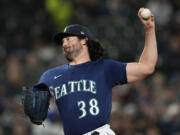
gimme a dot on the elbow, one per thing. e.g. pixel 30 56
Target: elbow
pixel 150 70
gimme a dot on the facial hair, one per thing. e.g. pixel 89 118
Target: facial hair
pixel 71 54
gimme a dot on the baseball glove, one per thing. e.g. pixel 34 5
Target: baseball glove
pixel 36 103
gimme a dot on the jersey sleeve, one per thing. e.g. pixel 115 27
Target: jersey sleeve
pixel 42 82
pixel 43 78
pixel 115 72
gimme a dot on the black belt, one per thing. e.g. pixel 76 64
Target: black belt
pixel 95 133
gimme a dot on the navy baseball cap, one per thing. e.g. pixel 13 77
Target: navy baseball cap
pixel 72 30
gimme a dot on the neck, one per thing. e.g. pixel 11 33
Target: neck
pixel 81 58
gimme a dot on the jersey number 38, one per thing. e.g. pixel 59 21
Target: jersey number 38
pixel 93 108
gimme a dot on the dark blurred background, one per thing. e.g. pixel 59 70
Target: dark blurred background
pixel 149 107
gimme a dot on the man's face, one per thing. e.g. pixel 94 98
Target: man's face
pixel 71 47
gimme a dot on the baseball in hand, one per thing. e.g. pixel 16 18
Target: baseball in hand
pixel 146 13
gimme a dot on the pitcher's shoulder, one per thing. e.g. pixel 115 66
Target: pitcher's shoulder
pixel 61 68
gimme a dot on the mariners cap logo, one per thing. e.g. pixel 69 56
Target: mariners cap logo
pixel 82 32
pixel 65 29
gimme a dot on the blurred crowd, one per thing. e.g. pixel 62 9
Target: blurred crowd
pixel 149 107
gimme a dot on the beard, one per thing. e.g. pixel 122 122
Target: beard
pixel 69 57
pixel 71 53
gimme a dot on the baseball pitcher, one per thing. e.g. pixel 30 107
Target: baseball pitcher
pixel 82 88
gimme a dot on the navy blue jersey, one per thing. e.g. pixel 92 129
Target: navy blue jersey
pixel 83 93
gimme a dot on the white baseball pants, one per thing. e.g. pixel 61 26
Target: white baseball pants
pixel 104 130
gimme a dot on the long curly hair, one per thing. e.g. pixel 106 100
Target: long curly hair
pixel 96 50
